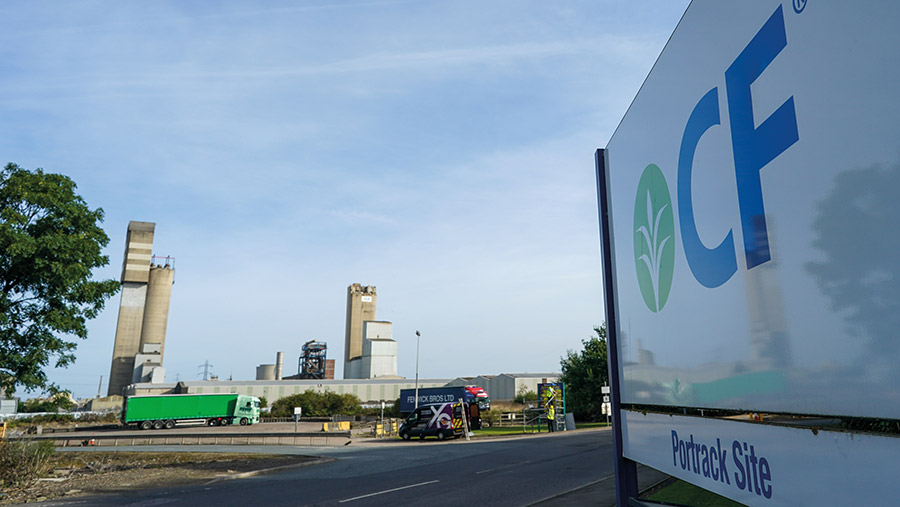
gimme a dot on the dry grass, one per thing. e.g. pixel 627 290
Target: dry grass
pixel 21 463
pixel 90 472
pixel 506 406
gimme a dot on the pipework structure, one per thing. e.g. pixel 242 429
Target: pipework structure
pixel 144 305
pixel 312 362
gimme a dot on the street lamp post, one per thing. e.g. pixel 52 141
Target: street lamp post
pixel 417 367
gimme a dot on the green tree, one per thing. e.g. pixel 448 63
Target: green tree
pixel 525 395
pixel 584 374
pixel 50 241
pixel 394 410
pixel 55 403
pixel 317 404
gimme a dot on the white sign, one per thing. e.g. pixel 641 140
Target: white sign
pixel 754 193
pixel 298 410
pixel 604 389
pixel 758 464
pixel 605 399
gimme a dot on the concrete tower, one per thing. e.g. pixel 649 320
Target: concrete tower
pixel 361 301
pixel 144 307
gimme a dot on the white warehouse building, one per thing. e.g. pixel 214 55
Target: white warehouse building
pixel 506 386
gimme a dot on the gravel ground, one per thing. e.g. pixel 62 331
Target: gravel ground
pixel 84 473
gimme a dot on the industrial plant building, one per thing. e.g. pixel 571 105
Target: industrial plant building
pixel 367 390
pixel 504 386
pixel 370 350
pixel 143 312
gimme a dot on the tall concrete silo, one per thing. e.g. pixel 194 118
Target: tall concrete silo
pixel 144 304
pixel 279 365
pixel 361 301
pixel 156 308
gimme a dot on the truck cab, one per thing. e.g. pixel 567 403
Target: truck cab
pixel 479 396
pixel 246 410
pixel 443 420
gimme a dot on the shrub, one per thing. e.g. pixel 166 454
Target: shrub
pixel 22 463
pixel 491 418
pixel 41 419
pixel 109 417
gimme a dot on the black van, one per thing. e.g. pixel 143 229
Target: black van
pixel 442 420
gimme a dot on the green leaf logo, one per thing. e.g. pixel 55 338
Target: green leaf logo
pixel 654 233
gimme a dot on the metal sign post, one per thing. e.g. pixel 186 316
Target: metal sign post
pixel 297 412
pixel 605 391
pixel 465 418
pixel 626 470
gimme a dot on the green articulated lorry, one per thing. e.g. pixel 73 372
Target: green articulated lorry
pixel 167 410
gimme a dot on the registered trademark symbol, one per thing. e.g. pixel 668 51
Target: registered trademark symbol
pixel 799 5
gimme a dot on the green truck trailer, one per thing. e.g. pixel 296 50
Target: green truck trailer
pixel 167 410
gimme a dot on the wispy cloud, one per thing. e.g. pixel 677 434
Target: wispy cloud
pixel 357 216
pixel 440 148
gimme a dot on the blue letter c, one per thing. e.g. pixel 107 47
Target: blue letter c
pixel 711 267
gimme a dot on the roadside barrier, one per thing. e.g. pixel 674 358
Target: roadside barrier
pixel 112 440
pixel 336 426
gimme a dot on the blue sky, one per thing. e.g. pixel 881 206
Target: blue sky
pixel 442 151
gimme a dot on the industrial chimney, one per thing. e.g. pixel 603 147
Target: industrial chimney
pixel 279 362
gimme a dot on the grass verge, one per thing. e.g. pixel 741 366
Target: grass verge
pixel 678 492
pixel 498 431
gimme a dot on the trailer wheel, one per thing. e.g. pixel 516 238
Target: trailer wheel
pixel 146 425
pixel 170 424
pixel 405 435
pixel 211 422
pixel 441 436
pixel 158 425
pixel 226 421
pixel 244 421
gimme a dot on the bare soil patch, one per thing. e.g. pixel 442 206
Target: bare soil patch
pixel 86 473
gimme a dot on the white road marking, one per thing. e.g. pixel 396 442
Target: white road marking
pixel 501 468
pixel 388 491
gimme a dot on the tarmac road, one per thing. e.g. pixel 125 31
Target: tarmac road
pixel 573 468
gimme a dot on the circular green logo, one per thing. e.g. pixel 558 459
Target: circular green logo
pixel 654 238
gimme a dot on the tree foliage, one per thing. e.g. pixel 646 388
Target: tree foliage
pixel 55 403
pixel 585 373
pixel 317 404
pixel 50 241
pixel 525 395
